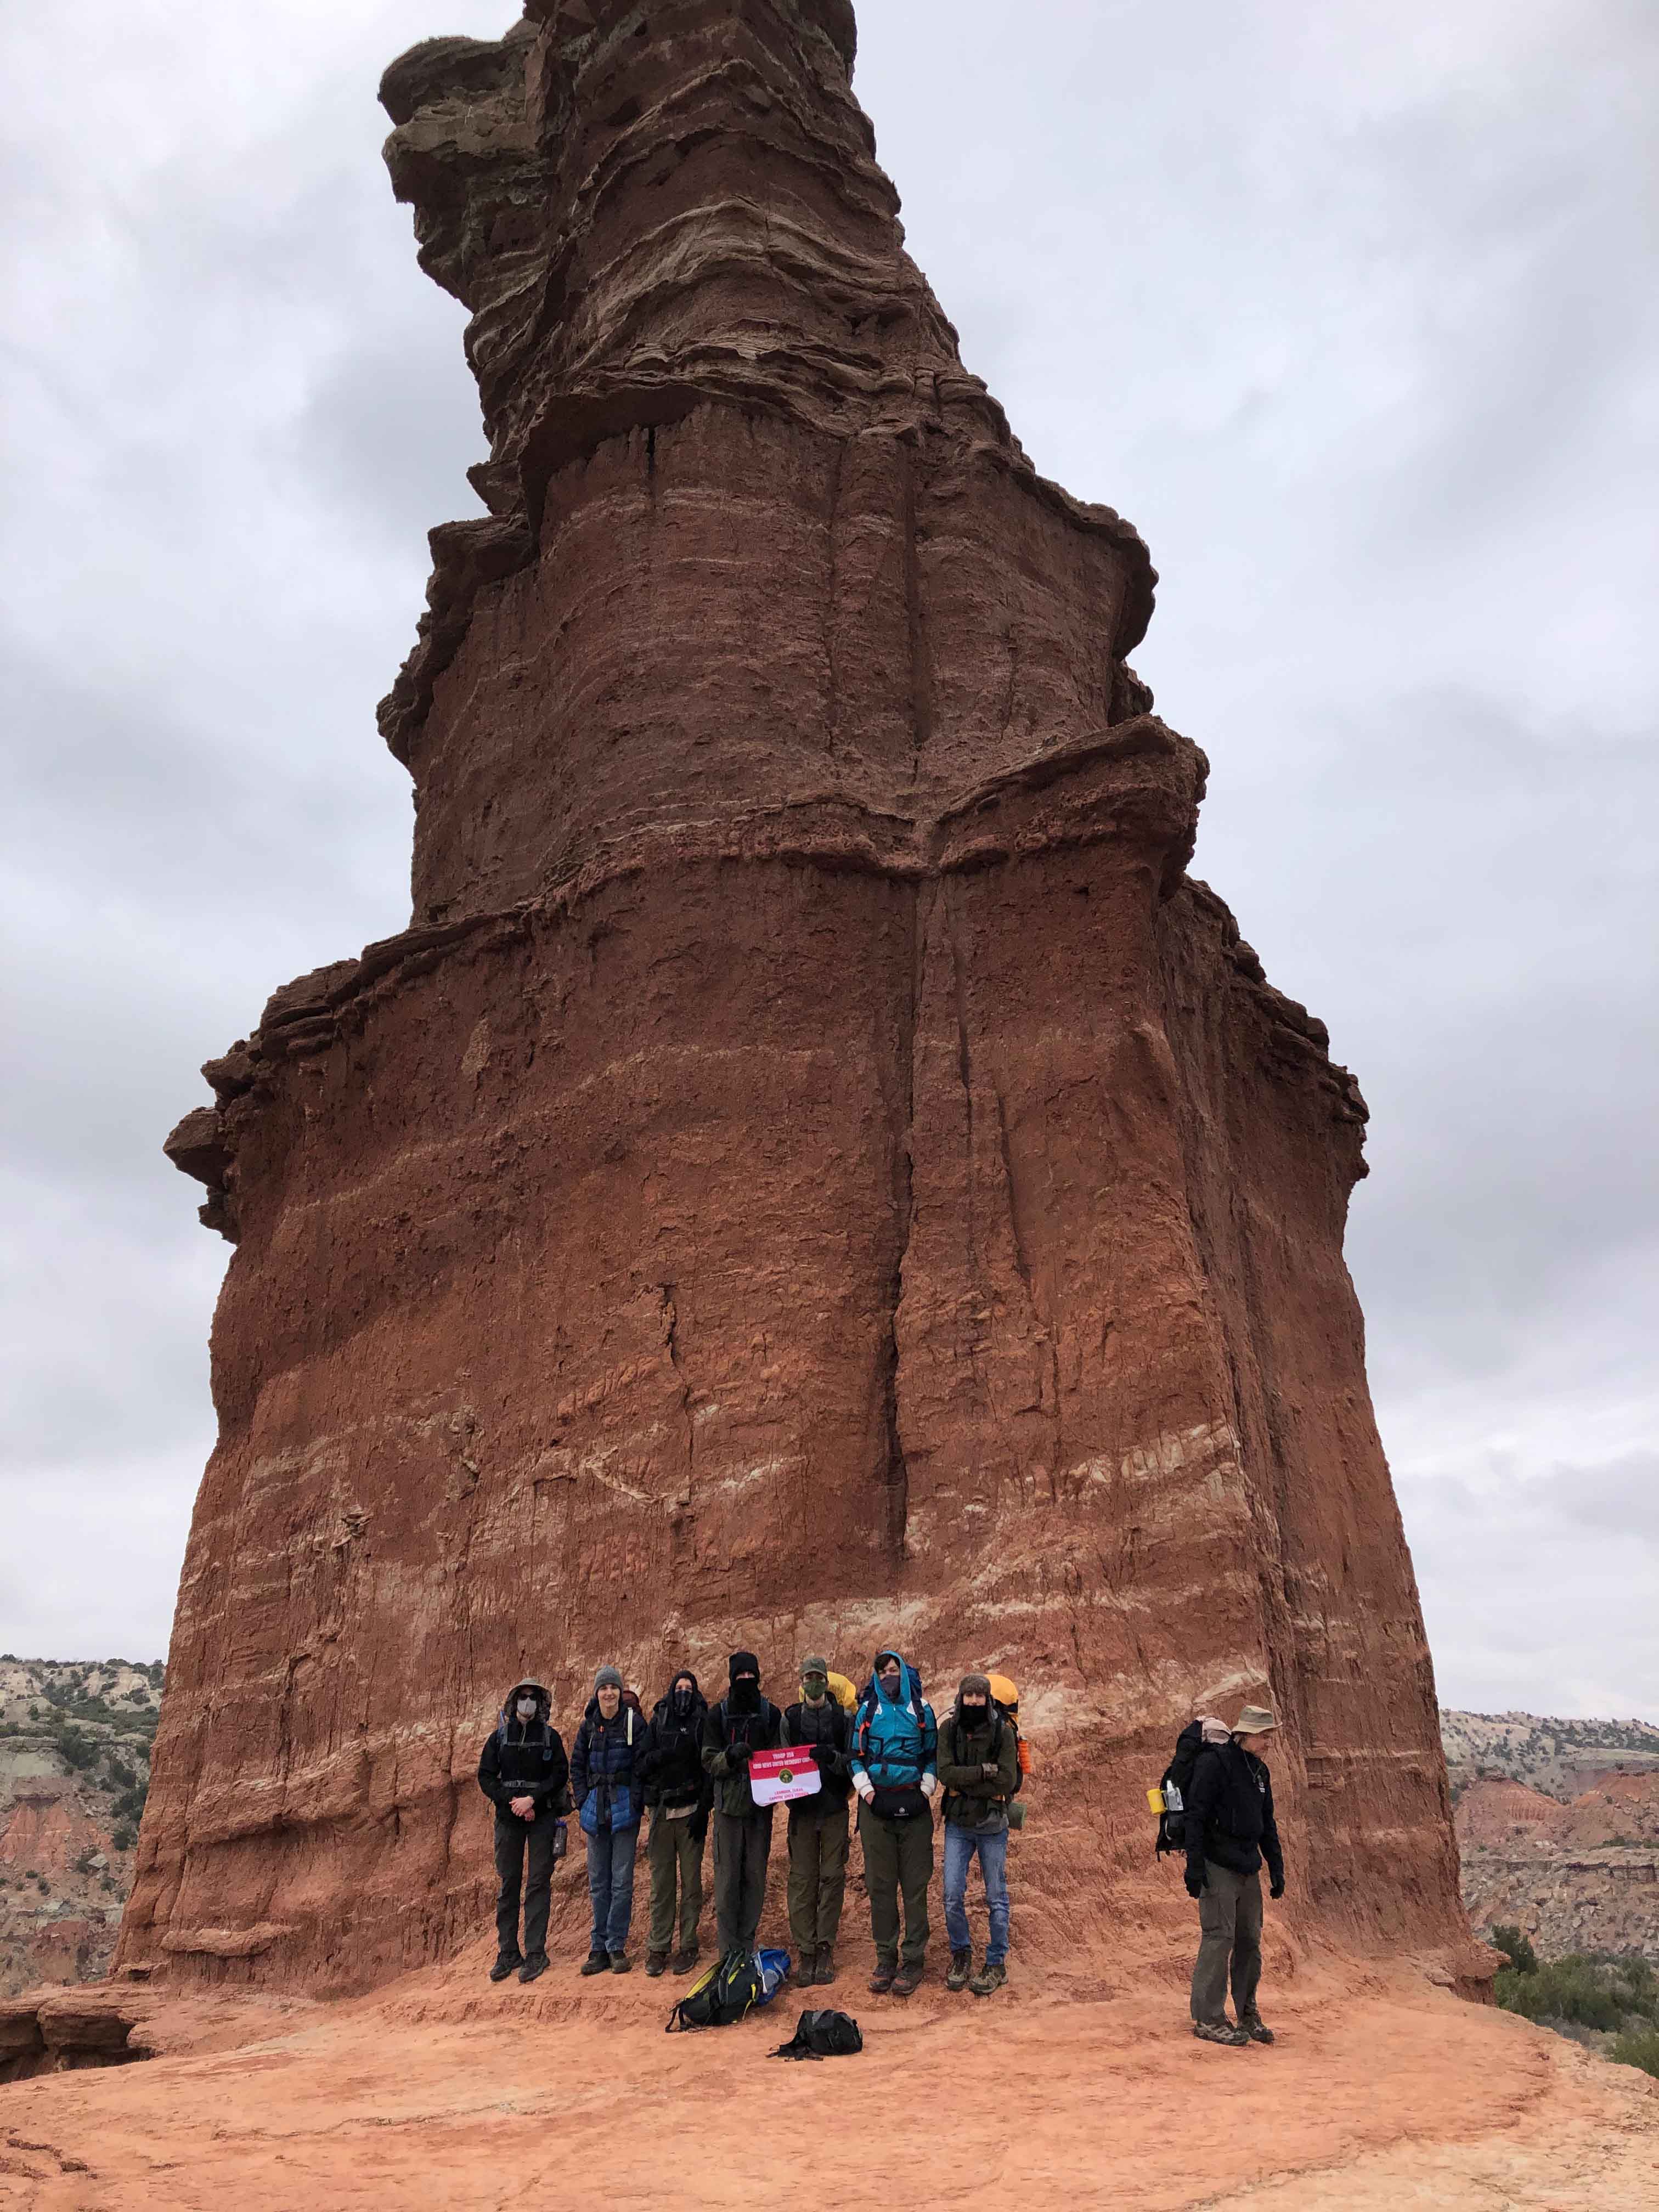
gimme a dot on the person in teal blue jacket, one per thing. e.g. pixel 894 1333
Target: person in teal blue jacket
pixel 894 1763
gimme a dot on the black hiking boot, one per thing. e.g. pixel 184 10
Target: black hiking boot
pixel 504 1966
pixel 990 1979
pixel 685 1959
pixel 824 1972
pixel 882 1980
pixel 656 1962
pixel 596 1962
pixel 1254 2026
pixel 961 1964
pixel 1221 2030
pixel 533 1967
pixel 907 1981
pixel 620 1963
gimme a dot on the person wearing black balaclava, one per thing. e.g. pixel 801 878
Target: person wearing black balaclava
pixel 742 1723
pixel 523 1772
pixel 678 1793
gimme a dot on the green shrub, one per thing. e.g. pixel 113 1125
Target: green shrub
pixel 1515 1947
pixel 1592 1988
pixel 1638 2047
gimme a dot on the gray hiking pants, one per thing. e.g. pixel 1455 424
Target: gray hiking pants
pixel 1230 1943
pixel 743 1843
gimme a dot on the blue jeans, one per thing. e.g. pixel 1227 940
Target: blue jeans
pixel 611 1885
pixel 961 1849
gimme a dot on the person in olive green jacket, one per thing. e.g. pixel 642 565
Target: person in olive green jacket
pixel 978 1772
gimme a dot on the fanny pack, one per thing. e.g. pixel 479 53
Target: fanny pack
pixel 898 1801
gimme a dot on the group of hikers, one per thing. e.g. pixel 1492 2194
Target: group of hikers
pixel 689 1765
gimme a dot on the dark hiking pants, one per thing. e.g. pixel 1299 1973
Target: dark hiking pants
pixel 743 1844
pixel 898 1859
pixel 675 1849
pixel 1230 1943
pixel 817 1873
pixel 517 1841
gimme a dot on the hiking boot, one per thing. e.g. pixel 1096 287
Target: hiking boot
pixel 1220 2031
pixel 988 1979
pixel 684 1959
pixel 1255 2027
pixel 656 1962
pixel 882 1980
pixel 824 1972
pixel 907 1981
pixel 961 1964
pixel 596 1962
pixel 533 1967
pixel 504 1966
pixel 620 1963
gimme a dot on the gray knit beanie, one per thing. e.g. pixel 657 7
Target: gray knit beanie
pixel 608 1678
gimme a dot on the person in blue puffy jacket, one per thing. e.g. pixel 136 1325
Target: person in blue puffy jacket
pixel 894 1764
pixel 606 1784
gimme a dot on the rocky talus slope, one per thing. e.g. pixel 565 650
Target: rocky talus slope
pixel 75 1751
pixel 1558 1825
pixel 817 1170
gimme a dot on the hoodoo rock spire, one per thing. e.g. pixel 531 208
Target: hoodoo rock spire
pixel 816 1168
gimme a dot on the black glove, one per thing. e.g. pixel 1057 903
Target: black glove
pixel 1276 1888
pixel 738 1753
pixel 1194 1884
pixel 824 1754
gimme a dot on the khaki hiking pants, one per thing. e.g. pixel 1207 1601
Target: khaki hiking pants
pixel 898 1857
pixel 817 1873
pixel 675 1849
pixel 1230 1943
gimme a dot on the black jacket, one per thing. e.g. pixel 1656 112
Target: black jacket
pixel 827 1729
pixel 672 1765
pixel 1230 1814
pixel 525 1758
pixel 722 1727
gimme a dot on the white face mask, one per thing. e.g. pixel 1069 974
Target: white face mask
pixel 525 1709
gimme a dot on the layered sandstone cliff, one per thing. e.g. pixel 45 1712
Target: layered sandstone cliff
pixel 817 1170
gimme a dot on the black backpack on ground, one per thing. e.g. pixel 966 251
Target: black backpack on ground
pixel 731 1988
pixel 1176 1786
pixel 822 2035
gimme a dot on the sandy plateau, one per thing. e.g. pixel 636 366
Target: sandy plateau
pixel 441 2093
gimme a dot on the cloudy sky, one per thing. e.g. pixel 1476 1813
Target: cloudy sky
pixel 1353 311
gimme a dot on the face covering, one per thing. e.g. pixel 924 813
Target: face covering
pixel 973 1713
pixel 525 1709
pixel 815 1686
pixel 891 1680
pixel 745 1695
pixel 682 1699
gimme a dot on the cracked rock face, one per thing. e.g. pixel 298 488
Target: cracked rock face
pixel 815 1171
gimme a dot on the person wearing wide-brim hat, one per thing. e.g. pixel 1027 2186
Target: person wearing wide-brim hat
pixel 1230 1830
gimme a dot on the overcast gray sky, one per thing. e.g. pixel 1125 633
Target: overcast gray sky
pixel 1351 310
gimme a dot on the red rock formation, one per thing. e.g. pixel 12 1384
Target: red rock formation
pixel 816 1171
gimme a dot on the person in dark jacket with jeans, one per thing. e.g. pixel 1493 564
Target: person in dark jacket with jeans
pixel 742 1723
pixel 523 1771
pixel 606 1782
pixel 677 1791
pixel 978 1772
pixel 1230 1830
pixel 818 1825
